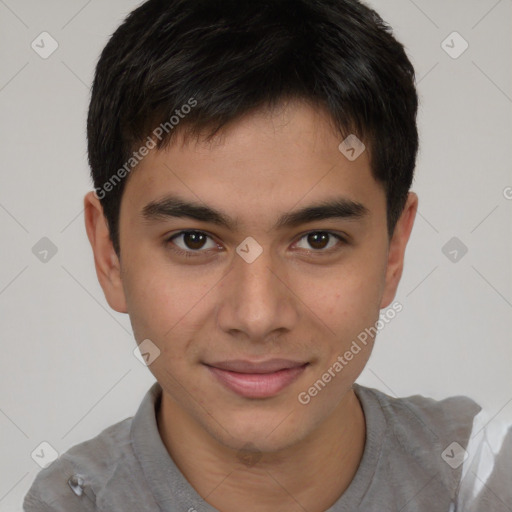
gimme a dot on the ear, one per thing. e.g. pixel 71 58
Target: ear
pixel 108 268
pixel 396 250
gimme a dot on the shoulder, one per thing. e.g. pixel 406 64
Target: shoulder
pixel 423 437
pixel 449 416
pixel 70 482
pixel 420 420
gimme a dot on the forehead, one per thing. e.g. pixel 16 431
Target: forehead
pixel 261 164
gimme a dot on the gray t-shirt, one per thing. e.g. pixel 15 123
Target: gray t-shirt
pixel 407 464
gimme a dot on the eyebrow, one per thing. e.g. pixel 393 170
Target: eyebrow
pixel 176 207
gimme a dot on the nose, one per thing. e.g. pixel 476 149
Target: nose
pixel 257 300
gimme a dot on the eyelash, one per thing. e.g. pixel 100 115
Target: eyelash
pixel 197 253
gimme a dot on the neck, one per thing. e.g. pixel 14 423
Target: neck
pixel 231 480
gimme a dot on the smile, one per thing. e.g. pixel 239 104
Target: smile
pixel 257 381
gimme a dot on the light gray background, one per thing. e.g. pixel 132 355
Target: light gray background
pixel 67 367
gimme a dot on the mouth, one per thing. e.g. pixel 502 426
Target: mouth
pixel 257 380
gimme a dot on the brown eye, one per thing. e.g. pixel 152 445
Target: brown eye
pixel 319 240
pixel 189 242
pixel 194 239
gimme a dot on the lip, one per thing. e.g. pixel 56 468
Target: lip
pixel 257 380
pixel 268 366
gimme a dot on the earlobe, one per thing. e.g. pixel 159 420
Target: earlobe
pixel 397 248
pixel 108 268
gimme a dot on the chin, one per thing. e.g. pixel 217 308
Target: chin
pixel 271 433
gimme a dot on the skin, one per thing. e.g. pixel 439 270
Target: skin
pixel 291 302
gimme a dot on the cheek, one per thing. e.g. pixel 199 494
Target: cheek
pixel 347 301
pixel 153 299
pixel 345 293
pixel 365 276
pixel 165 303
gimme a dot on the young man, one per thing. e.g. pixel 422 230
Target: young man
pixel 252 164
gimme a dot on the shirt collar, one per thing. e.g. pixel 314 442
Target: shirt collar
pixel 172 491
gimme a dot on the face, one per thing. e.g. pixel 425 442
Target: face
pixel 242 278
